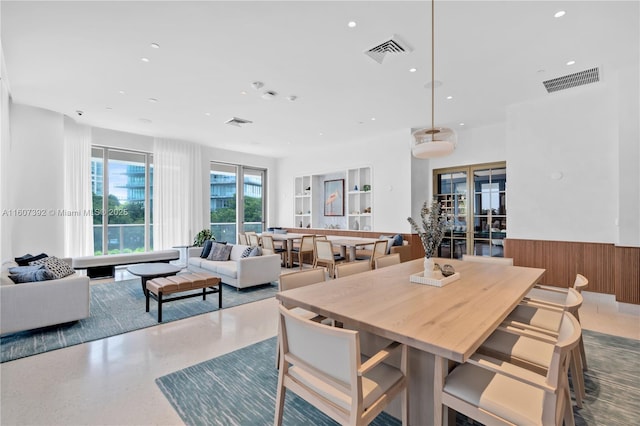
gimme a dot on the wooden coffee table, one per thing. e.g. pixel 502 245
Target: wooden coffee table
pixel 149 271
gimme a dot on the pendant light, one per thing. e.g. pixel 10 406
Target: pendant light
pixel 434 141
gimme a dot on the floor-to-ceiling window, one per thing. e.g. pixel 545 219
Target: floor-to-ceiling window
pixel 236 199
pixel 122 195
pixel 474 199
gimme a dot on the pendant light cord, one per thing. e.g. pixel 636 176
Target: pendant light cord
pixel 432 66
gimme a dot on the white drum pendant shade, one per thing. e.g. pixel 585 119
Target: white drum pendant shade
pixel 431 143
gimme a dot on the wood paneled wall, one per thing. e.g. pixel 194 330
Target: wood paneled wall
pixel 609 269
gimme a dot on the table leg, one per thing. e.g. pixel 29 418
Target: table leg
pixel 288 247
pixel 440 371
pixel 352 253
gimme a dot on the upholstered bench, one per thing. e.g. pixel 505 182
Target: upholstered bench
pixel 160 287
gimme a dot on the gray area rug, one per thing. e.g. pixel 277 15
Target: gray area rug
pixel 119 307
pixel 239 388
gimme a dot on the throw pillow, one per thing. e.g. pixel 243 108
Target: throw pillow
pixel 58 267
pixel 17 270
pixel 389 239
pixel 255 251
pixel 397 240
pixel 279 231
pixel 27 258
pixel 206 249
pixel 246 252
pixel 41 274
pixel 220 252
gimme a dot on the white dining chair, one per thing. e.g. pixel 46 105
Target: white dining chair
pixel 323 255
pixel 496 392
pixel 253 240
pixel 306 247
pixel 379 249
pixel 242 239
pixel 323 365
pixel 269 246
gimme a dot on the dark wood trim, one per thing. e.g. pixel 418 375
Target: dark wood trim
pixel 609 269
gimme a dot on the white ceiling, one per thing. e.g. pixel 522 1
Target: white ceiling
pixel 78 55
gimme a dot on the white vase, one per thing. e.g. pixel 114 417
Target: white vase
pixel 428 266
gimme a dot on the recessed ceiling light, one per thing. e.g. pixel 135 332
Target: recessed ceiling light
pixel 153 100
pixel 413 69
pixel 243 93
pixel 571 62
pixel 208 114
pixel 108 108
pixel 321 134
pixel 540 71
pixel 145 120
pixel 121 92
pixel 292 98
pixel 144 59
pixel 462 124
pixel 559 14
pixel 449 97
pixel 352 24
pixel 155 45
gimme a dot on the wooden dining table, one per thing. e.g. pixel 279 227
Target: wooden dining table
pixel 287 243
pixel 350 244
pixel 441 325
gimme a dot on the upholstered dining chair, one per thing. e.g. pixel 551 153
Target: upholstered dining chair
pixel 306 247
pixel 387 260
pixel 350 268
pixel 488 259
pixel 296 280
pixel 267 244
pixel 496 392
pixel 545 318
pixel 323 365
pixel 253 240
pixel 323 255
pixel 242 239
pixel 379 249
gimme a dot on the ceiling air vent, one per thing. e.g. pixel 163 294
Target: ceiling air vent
pixel 573 80
pixel 235 121
pixel 393 45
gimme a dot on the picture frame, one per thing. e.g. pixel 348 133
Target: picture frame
pixel 334 197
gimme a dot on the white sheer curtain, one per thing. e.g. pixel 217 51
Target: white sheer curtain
pixel 177 193
pixel 78 223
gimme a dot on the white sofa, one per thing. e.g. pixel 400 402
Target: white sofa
pixel 27 306
pixel 237 271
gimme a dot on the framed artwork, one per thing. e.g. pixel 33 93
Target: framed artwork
pixel 334 197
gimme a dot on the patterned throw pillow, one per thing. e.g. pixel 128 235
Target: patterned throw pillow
pixel 220 252
pixel 58 267
pixel 206 249
pixel 255 251
pixel 246 252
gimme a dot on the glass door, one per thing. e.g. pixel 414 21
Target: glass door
pixel 474 200
pixel 253 192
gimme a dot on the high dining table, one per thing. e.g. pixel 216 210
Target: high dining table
pixel 440 325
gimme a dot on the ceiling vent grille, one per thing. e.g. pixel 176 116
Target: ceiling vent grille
pixel 235 121
pixel 573 80
pixel 393 45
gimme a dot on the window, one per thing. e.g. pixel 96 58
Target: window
pixel 122 195
pixel 228 184
pixel 485 209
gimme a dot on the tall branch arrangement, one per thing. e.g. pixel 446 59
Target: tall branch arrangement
pixel 434 224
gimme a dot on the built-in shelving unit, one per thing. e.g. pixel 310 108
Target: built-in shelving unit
pixel 302 214
pixel 358 199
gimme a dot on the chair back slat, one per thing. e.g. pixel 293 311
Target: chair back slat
pixel 387 260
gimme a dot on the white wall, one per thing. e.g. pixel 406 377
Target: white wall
pixel 575 133
pixel 35 162
pixel 388 155
pixel 5 147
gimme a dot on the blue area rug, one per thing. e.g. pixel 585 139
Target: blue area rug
pixel 119 307
pixel 239 388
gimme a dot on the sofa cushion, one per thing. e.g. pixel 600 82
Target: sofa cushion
pixel 17 270
pixel 42 274
pixel 255 251
pixel 219 252
pixel 206 249
pixel 229 269
pixel 59 267
pixel 237 250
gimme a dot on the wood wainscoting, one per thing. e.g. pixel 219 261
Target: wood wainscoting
pixel 610 269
